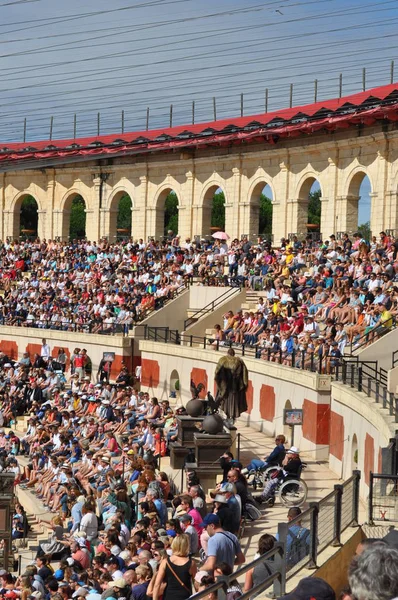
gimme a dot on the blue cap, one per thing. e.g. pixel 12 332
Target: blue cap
pixel 59 574
pixel 171 532
pixel 210 519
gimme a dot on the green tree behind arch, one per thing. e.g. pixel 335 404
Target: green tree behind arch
pixel 77 227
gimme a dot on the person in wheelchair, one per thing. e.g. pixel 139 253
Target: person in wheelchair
pixel 274 459
pixel 290 469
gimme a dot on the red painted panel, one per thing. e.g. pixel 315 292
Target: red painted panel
pixel 369 459
pixel 200 376
pixel 54 354
pixel 267 402
pixel 316 422
pixel 150 374
pixel 249 397
pixel 9 348
pixel 32 349
pixel 336 435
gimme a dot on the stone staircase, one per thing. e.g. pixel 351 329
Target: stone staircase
pixel 250 305
pixel 39 518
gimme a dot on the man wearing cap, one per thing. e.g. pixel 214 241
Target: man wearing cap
pixel 290 468
pixel 222 545
pixel 189 529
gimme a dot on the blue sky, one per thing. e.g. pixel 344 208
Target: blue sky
pixel 89 56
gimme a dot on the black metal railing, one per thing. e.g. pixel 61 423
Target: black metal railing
pixel 278 578
pixel 358 375
pixel 91 326
pixel 297 359
pixel 383 498
pixel 394 358
pixel 320 526
pixel 211 306
pixel 358 343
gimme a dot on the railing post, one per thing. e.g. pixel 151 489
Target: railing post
pixel 360 379
pixel 391 403
pixel 344 372
pixel 280 356
pixel 314 535
pixel 396 409
pixel 384 397
pixel 218 344
pixel 338 505
pixel 302 359
pixel 370 500
pixel 243 349
pixel 293 358
pixel 156 334
pixel 355 497
pixel 190 340
pixel 279 587
pixel 352 376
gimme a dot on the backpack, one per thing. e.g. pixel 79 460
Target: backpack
pixel 300 546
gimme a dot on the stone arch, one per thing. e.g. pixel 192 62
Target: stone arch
pixel 69 199
pixel 175 385
pixel 31 229
pixel 160 210
pixel 112 229
pixel 207 203
pixel 303 191
pixel 256 188
pixel 355 181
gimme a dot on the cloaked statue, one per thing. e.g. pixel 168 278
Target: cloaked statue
pixel 231 378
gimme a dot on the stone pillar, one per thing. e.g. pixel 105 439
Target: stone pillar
pixel 232 206
pixel 391 213
pixel 9 224
pixel 139 217
pixel 49 233
pixel 297 217
pixel 93 211
pixel 42 224
pixel 376 213
pixel 347 213
pixel 108 219
pixel 185 225
pixel 281 209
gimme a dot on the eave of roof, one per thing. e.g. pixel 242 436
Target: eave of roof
pixel 364 108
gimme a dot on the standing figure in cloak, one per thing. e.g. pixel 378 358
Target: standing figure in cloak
pixel 232 380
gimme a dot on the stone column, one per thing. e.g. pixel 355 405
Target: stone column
pixel 347 213
pixel 376 214
pixel 232 225
pixel 139 217
pixel 42 224
pixel 185 225
pixel 297 217
pixel 283 218
pixel 50 202
pixel 391 213
pixel 93 211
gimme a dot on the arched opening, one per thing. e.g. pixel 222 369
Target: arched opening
pixel 120 217
pixel 260 217
pixel 213 211
pixel 287 429
pixel 309 209
pixel 27 217
pixel 166 224
pixel 359 205
pixel 354 453
pixel 175 385
pixel 74 218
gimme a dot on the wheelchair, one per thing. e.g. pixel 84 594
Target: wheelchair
pixel 293 491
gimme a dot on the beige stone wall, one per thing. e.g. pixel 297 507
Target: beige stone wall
pixel 14 341
pixel 339 422
pixel 338 162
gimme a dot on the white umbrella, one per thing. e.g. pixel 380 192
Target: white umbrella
pixel 220 235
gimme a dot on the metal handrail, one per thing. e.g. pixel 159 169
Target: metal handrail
pixel 211 306
pixel 279 576
pixel 363 339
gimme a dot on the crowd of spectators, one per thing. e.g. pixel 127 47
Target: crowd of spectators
pixel 99 287
pixel 120 528
pixel 316 298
